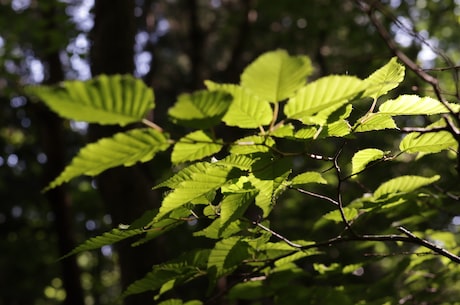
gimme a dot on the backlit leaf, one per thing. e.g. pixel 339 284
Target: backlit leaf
pixel 364 157
pixel 124 148
pixel 375 121
pixel 431 142
pixel 307 178
pixel 202 109
pixel 247 110
pixel 194 146
pixel 275 76
pixel 384 79
pixel 413 105
pixel 200 184
pixel 227 254
pixel 403 184
pixel 331 91
pixel 117 99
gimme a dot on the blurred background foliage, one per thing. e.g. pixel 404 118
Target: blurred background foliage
pixel 176 45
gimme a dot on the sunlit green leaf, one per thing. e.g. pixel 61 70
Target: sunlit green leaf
pixel 201 109
pixel 108 238
pixel 431 142
pixel 384 79
pixel 124 148
pixel 269 178
pixel 247 110
pixel 363 157
pixel 331 91
pixel 413 105
pixel 336 216
pixel 251 144
pixel 403 184
pixel 117 99
pixel 227 254
pixel 275 76
pixel 375 121
pixel 308 177
pixel 200 184
pixel 194 146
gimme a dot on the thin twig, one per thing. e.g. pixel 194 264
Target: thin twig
pixel 287 241
pixel 152 125
pixel 318 196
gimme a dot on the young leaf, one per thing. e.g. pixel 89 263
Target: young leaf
pixel 247 110
pixel 179 270
pixel 364 157
pixel 384 79
pixel 240 161
pixel 202 109
pixel 374 121
pixel 269 178
pixel 403 184
pixel 184 175
pixel 124 148
pixel 331 91
pixel 107 238
pixel 308 177
pixel 413 105
pixel 117 99
pixel 194 146
pixel 431 142
pixel 336 216
pixel 227 255
pixel 233 206
pixel 200 184
pixel 275 76
pixel 252 144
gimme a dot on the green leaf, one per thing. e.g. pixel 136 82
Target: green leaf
pixel 117 99
pixel 275 76
pixel 202 109
pixel 240 161
pixel 402 185
pixel 336 216
pixel 269 178
pixel 308 177
pixel 375 121
pixel 431 142
pixel 199 184
pixel 252 144
pixel 233 206
pixel 227 255
pixel 124 148
pixel 179 270
pixel 363 157
pixel 107 238
pixel 194 146
pixel 247 110
pixel 413 105
pixel 384 79
pixel 184 174
pixel 331 91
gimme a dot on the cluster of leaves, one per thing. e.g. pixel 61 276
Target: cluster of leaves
pixel 230 184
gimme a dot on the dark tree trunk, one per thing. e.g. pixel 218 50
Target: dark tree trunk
pixel 52 137
pixel 125 191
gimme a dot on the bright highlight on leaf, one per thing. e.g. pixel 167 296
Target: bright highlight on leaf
pixel 118 99
pixel 403 184
pixel 202 109
pixel 415 105
pixel 124 148
pixel 275 76
pixel 384 79
pixel 431 142
pixel 247 110
pixel 364 157
pixel 194 146
pixel 308 177
pixel 331 91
